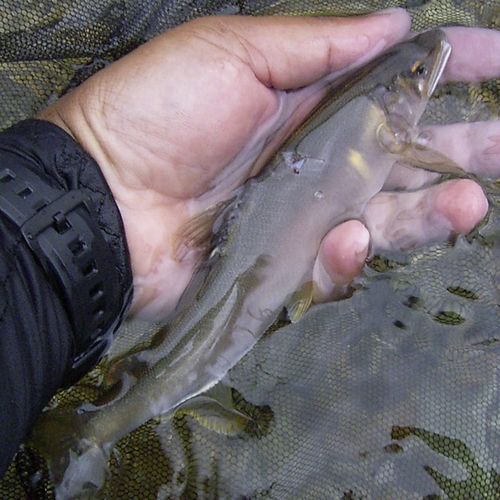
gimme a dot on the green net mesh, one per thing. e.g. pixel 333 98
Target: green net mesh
pixel 390 394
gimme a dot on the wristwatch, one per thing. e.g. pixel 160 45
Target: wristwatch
pixel 61 230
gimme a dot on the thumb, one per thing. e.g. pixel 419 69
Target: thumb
pixel 291 52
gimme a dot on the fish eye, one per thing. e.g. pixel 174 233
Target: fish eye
pixel 418 68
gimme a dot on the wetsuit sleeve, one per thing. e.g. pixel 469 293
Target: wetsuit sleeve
pixel 39 338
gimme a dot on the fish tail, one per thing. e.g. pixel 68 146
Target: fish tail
pixel 85 473
pixel 68 464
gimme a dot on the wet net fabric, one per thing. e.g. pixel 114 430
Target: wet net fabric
pixel 390 394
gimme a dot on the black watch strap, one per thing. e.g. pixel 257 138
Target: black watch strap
pixel 61 230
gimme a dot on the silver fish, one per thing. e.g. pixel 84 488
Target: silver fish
pixel 268 240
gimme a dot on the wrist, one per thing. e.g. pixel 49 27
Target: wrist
pixel 148 238
pixel 65 185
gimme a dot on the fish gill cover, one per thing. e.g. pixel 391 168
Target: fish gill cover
pixel 390 394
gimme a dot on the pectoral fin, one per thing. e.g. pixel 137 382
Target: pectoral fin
pixel 198 233
pixel 300 302
pixel 417 155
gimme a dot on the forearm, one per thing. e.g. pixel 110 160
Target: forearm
pixel 42 333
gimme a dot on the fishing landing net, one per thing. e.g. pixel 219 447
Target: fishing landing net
pixel 390 394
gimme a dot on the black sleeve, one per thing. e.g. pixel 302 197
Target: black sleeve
pixel 38 337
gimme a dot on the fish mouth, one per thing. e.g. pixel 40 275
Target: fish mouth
pixel 442 55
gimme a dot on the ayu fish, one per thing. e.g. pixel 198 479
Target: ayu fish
pixel 267 242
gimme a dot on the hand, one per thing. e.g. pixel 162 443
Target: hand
pixel 180 122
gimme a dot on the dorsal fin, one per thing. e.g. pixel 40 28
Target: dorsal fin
pixel 198 232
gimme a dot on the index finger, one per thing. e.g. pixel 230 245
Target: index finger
pixel 475 54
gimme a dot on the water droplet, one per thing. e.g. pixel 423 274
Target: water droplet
pixel 319 195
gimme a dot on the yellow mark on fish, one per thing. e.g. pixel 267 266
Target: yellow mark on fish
pixel 358 162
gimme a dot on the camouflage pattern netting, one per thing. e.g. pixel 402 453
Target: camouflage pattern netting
pixel 390 394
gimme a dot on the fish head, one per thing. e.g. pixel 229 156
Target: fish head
pixel 413 69
pixel 424 59
pixel 408 74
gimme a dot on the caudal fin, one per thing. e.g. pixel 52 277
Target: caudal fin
pixel 61 460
